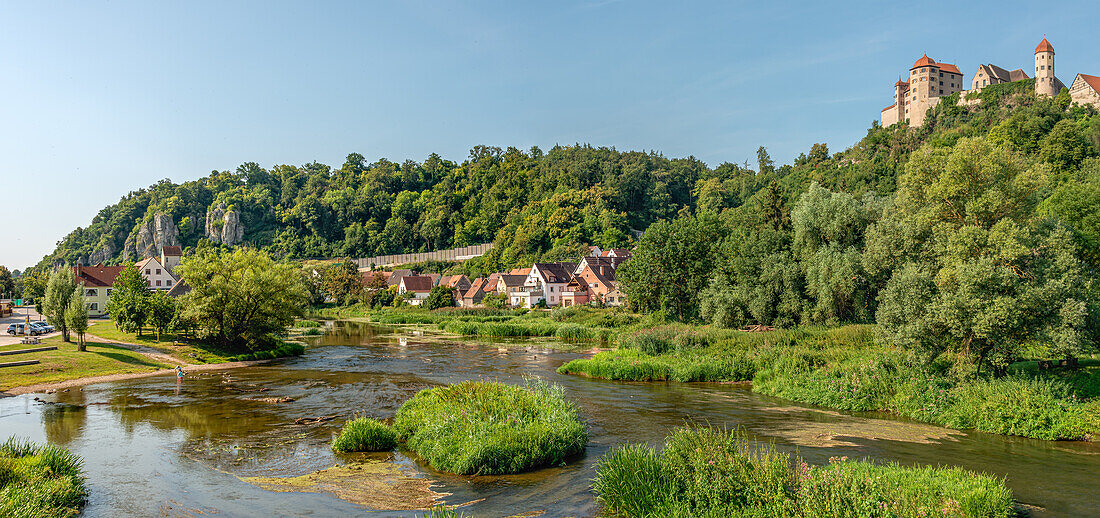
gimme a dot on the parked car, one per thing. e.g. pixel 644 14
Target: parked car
pixel 43 328
pixel 18 329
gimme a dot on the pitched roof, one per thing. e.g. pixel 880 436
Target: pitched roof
pixel 997 72
pixel 179 289
pixel 888 107
pixel 902 84
pixel 366 277
pixel 476 290
pixel 1044 46
pixel 1092 81
pixel 511 280
pixel 555 272
pixel 145 262
pixel 946 67
pixel 520 271
pixel 171 250
pixel 97 276
pixel 396 275
pixel 417 283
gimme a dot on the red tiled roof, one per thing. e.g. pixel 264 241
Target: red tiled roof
pixel 475 289
pixel 97 275
pixel 520 271
pixel 1092 81
pixel 418 283
pixel 1044 46
pixel 901 83
pixel 926 61
pixel 888 107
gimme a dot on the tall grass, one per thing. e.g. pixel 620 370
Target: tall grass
pixel 501 329
pixel 365 434
pixel 491 428
pixel 843 368
pixel 39 481
pixel 711 473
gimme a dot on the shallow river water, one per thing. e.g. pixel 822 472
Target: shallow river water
pixel 154 448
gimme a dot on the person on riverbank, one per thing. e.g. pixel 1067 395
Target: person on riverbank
pixel 179 372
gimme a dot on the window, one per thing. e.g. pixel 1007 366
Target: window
pixel 147 271
pixel 941 93
pixel 148 283
pixel 91 292
pixel 93 306
pixel 108 292
pixel 941 84
pixel 158 283
pixel 158 269
pixel 169 281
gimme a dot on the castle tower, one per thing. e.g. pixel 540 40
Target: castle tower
pixel 1045 82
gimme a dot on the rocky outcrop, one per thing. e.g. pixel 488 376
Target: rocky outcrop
pixel 103 254
pixel 224 226
pixel 150 237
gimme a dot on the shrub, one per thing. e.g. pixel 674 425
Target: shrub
pixel 491 428
pixel 39 480
pixel 307 323
pixel 579 333
pixel 706 472
pixel 365 434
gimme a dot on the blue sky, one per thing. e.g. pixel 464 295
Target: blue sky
pixel 98 99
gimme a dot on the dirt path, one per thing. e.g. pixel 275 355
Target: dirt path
pixel 148 352
pixel 188 368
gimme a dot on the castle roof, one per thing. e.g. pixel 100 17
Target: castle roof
pixel 902 84
pixel 888 107
pixel 926 61
pixel 1092 81
pixel 994 71
pixel 1044 46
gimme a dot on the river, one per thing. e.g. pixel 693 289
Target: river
pixel 154 447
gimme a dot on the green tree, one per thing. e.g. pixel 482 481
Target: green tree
pixel 343 282
pixel 440 297
pixel 242 298
pixel 7 284
pixel 76 316
pixel 495 300
pixel 975 272
pixel 671 265
pixel 55 302
pixel 129 301
pixel 162 311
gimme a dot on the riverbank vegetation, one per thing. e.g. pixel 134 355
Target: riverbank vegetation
pixel 703 472
pixel 39 481
pixel 365 434
pixel 845 368
pixel 491 428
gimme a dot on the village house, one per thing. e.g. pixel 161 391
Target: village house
pixel 420 286
pixel 473 296
pixel 97 282
pixel 575 293
pixel 157 276
pixel 395 276
pixel 550 279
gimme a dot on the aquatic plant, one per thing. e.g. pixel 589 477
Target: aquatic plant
pixel 365 434
pixel 39 480
pixel 491 428
pixel 579 333
pixel 441 511
pixel 707 472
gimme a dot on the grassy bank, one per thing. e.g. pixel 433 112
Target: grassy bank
pixel 712 473
pixel 844 368
pixel 188 349
pixel 491 428
pixel 66 363
pixel 39 481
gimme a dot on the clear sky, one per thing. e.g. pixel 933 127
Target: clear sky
pixel 101 98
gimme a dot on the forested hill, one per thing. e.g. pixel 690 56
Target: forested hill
pixel 541 205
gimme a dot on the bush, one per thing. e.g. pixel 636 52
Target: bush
pixel 491 428
pixel 365 434
pixel 39 481
pixel 706 472
pixel 579 333
pixel 307 323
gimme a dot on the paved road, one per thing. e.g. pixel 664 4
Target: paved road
pixel 19 316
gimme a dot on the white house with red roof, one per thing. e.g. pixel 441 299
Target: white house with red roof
pixel 1085 90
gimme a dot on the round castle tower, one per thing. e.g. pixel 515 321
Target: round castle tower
pixel 1044 69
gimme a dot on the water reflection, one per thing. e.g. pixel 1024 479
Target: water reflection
pixel 154 446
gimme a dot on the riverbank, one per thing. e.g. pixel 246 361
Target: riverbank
pixel 843 368
pixel 840 368
pixel 90 380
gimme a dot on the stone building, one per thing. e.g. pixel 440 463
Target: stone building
pixel 1085 90
pixel 994 75
pixel 928 82
pixel 1045 81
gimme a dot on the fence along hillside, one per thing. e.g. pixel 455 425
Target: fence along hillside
pixel 453 254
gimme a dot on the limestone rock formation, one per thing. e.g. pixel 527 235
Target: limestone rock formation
pixel 224 225
pixel 149 237
pixel 104 253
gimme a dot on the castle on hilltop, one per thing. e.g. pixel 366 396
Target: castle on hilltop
pixel 929 81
